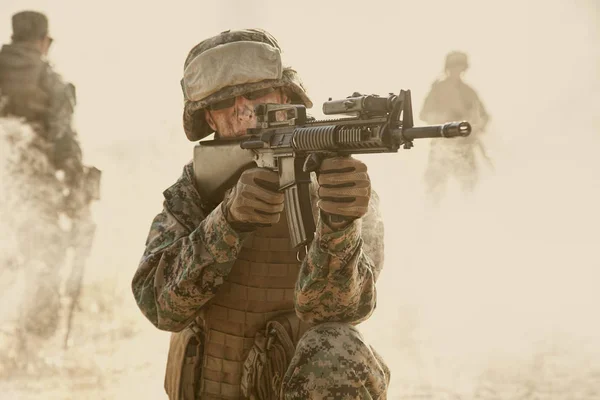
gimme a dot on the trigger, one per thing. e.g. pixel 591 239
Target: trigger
pixel 312 162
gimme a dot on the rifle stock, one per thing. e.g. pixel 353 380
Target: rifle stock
pixel 216 163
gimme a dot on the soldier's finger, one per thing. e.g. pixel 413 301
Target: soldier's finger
pixel 358 178
pixel 258 204
pixel 265 195
pixel 354 209
pixel 251 215
pixel 343 192
pixel 341 164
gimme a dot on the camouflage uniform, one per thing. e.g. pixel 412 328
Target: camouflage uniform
pixel 453 100
pixel 32 91
pixel 197 270
pixel 35 92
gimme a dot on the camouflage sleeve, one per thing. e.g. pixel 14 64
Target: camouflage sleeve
pixel 67 151
pixel 337 277
pixel 68 156
pixel 482 113
pixel 62 104
pixel 182 269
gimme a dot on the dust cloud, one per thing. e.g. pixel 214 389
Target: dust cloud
pixel 492 295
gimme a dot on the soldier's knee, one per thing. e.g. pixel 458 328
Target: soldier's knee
pixel 332 360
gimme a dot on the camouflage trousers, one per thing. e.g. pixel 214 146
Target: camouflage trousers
pixel 452 158
pixel 332 361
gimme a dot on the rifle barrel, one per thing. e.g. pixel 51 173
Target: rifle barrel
pixel 449 130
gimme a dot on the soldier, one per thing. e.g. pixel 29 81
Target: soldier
pixel 48 172
pixel 451 99
pixel 250 320
pixel 35 92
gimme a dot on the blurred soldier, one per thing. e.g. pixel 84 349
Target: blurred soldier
pixel 451 99
pixel 250 319
pixel 46 166
pixel 35 92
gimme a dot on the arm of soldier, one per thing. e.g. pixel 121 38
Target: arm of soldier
pixel 181 270
pixel 62 99
pixel 338 275
pixel 68 157
pixel 477 114
pixel 483 114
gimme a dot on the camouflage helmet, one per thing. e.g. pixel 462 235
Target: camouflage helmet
pixel 29 25
pixel 257 56
pixel 456 58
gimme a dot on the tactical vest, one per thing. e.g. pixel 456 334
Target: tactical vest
pixel 260 286
pixel 21 84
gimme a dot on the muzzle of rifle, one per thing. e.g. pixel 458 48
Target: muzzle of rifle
pixel 449 130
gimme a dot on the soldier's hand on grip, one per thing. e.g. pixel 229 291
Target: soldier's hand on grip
pixel 344 187
pixel 255 200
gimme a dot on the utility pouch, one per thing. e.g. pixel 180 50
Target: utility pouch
pixel 269 358
pixel 184 364
pixel 92 182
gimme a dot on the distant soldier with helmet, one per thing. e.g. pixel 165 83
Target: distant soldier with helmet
pixel 46 173
pixel 451 99
pixel 35 92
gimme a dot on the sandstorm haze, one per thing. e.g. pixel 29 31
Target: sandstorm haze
pixel 482 282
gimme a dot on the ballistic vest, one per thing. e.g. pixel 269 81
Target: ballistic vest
pixel 259 287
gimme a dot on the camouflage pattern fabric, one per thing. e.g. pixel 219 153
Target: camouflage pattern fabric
pixel 332 361
pixel 190 251
pixel 191 247
pixel 337 279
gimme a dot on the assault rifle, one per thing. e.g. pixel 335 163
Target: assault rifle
pixel 287 141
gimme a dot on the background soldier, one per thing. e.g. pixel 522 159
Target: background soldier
pixel 35 92
pixel 250 319
pixel 45 174
pixel 451 99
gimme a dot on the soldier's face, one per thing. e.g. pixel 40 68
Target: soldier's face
pixel 234 117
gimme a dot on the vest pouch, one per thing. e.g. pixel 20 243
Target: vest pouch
pixel 184 363
pixel 92 177
pixel 269 357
